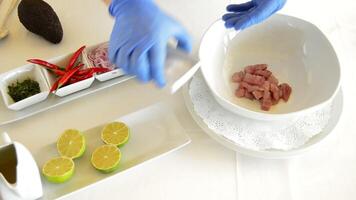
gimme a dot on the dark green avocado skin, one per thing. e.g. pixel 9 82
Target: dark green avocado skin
pixel 39 17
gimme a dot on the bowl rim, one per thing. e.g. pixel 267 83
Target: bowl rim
pixel 262 115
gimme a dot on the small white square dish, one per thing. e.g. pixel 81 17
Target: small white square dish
pixel 109 75
pixel 20 74
pixel 97 56
pixel 62 61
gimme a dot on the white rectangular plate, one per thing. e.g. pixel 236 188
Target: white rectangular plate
pixel 177 63
pixel 8 116
pixel 155 131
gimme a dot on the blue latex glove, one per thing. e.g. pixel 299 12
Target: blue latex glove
pixel 244 15
pixel 139 38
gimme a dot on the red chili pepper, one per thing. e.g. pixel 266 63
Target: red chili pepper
pixel 58 72
pixel 71 81
pixel 100 69
pixel 88 75
pixel 93 70
pixel 43 63
pixel 83 72
pixel 74 58
pixel 65 78
pixel 54 86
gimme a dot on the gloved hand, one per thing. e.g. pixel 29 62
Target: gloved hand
pixel 244 15
pixel 139 38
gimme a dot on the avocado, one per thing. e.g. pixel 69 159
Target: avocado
pixel 38 17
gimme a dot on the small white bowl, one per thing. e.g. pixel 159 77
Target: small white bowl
pixel 62 61
pixel 103 76
pixel 297 52
pixel 20 74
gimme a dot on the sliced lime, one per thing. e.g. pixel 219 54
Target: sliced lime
pixel 116 133
pixel 106 158
pixel 58 170
pixel 71 144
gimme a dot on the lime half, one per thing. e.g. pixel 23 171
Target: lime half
pixel 106 158
pixel 116 133
pixel 58 170
pixel 71 144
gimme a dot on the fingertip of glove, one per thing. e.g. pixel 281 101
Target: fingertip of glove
pixel 229 7
pixel 125 69
pixel 241 25
pixel 225 17
pixel 159 80
pixel 228 25
pixel 186 46
pixel 143 76
pixel 160 83
pixel 111 9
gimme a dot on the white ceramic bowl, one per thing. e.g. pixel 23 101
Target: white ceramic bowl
pixel 297 52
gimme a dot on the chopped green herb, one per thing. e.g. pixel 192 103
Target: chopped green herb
pixel 24 89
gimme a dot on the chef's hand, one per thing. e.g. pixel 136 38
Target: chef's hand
pixel 244 15
pixel 139 38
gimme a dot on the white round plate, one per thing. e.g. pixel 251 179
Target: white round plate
pixel 337 106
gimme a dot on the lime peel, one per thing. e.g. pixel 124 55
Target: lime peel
pixel 71 144
pixel 116 133
pixel 58 170
pixel 106 158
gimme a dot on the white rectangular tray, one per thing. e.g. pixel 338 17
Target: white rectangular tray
pixel 155 131
pixel 175 60
pixel 8 116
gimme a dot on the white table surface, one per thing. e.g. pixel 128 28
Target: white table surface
pixel 204 169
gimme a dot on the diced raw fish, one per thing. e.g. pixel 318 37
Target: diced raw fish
pixel 267 95
pixel 250 88
pixel 280 91
pixel 265 73
pixel 256 82
pixel 266 102
pixel 266 85
pixel 254 79
pixel 275 91
pixel 261 66
pixel 244 85
pixel 238 76
pixel 252 68
pixel 286 91
pixel 266 105
pixel 274 101
pixel 257 94
pixel 240 92
pixel 249 95
pixel 254 88
pixel 272 79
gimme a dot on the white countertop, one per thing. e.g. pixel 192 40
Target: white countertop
pixel 204 169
